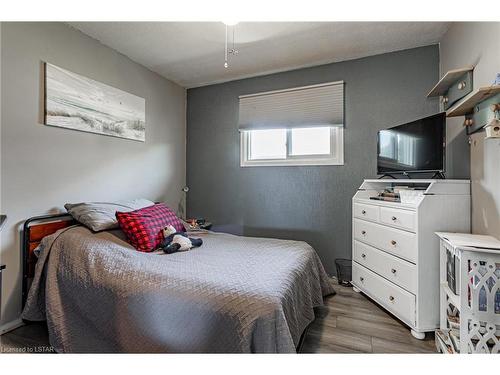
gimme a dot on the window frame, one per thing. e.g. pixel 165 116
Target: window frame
pixel 336 156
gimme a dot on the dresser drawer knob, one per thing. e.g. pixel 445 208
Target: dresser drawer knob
pixel 394 218
pixel 391 298
pixel 361 279
pixel 363 212
pixel 363 256
pixel 393 243
pixel 393 270
pixel 363 232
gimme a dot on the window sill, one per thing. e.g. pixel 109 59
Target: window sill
pixel 290 163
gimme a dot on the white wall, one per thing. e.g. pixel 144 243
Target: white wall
pixel 478 44
pixel 44 167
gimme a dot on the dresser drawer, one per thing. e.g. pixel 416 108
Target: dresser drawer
pixel 400 243
pixel 396 270
pixel 399 218
pixel 397 300
pixel 365 211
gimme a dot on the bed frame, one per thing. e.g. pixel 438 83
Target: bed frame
pixel 34 229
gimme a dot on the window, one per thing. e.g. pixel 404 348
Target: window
pixel 297 146
pixel 310 141
pixel 295 126
pixel 267 144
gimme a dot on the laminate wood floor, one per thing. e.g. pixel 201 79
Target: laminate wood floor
pixel 351 323
pixel 348 323
pixel 32 338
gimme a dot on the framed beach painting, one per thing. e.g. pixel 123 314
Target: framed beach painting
pixel 76 102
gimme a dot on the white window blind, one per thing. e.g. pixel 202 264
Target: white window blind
pixel 299 107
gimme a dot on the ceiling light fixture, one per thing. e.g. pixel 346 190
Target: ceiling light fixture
pixel 229 51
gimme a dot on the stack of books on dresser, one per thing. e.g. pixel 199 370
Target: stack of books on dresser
pixel 388 195
pixel 400 194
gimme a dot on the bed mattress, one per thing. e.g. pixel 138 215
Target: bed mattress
pixel 233 294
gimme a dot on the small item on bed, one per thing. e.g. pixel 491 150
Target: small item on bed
pixel 144 227
pixel 175 241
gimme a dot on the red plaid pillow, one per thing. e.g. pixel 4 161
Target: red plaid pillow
pixel 143 227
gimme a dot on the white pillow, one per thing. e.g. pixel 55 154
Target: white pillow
pixel 99 216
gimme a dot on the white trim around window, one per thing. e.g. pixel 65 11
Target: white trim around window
pixel 336 156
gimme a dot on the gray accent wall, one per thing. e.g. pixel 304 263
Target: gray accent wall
pixel 44 167
pixel 477 44
pixel 310 203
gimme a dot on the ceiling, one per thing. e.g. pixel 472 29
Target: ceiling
pixel 192 53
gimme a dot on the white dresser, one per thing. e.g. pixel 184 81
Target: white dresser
pixel 395 251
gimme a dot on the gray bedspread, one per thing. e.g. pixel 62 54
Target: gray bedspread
pixel 233 294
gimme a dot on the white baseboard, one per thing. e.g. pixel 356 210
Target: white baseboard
pixel 10 326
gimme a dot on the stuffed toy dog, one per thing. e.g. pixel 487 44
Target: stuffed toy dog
pixel 177 241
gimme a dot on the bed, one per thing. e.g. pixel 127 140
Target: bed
pixel 233 294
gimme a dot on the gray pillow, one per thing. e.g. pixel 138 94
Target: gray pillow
pixel 101 215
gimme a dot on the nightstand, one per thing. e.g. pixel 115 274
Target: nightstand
pixel 207 225
pixel 200 224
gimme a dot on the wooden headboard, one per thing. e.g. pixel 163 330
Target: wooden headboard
pixel 34 230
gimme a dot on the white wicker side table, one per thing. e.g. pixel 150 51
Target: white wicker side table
pixel 470 294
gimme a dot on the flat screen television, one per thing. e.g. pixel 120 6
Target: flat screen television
pixel 417 146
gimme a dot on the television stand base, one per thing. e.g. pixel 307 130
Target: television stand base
pixel 438 175
pixel 387 175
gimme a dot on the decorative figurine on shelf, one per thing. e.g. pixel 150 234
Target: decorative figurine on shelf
pixel 497 80
pixel 177 241
pixel 493 127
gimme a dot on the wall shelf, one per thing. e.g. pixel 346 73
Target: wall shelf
pixel 448 79
pixel 466 106
pixel 453 86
